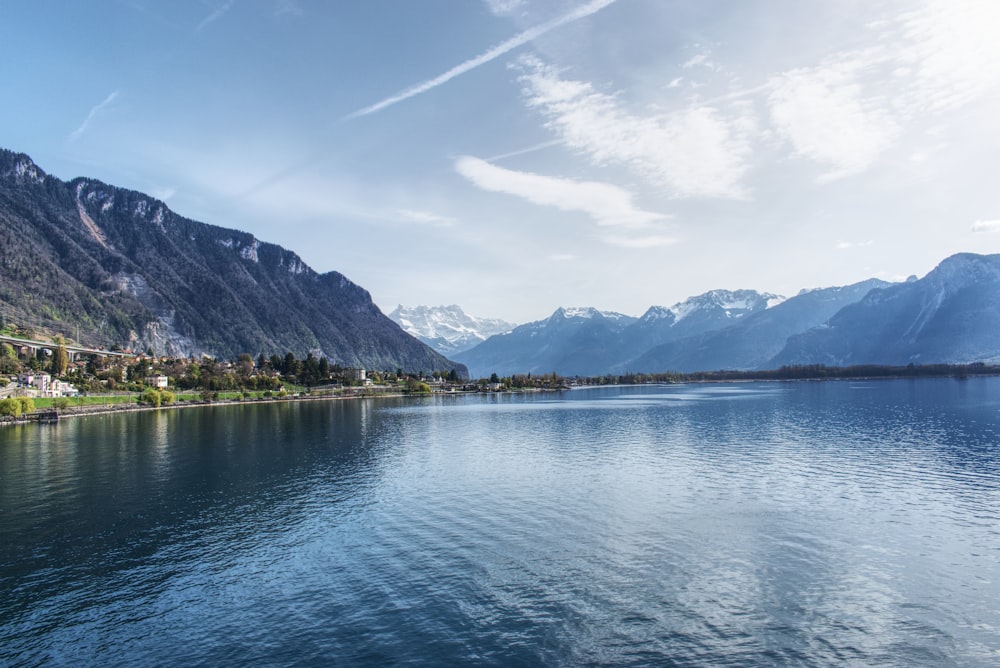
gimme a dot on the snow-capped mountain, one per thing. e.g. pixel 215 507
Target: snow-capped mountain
pixel 753 338
pixel 586 341
pixel 447 329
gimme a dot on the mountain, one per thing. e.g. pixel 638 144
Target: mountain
pixel 123 269
pixel 572 341
pixel 696 315
pixel 751 342
pixel 588 342
pixel 952 315
pixel 447 329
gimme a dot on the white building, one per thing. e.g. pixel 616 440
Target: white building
pixel 43 385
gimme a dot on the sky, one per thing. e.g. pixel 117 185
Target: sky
pixel 514 156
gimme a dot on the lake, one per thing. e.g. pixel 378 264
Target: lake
pixel 803 523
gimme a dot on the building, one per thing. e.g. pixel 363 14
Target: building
pixel 43 385
pixel 159 382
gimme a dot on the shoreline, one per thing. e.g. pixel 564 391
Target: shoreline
pixel 50 416
pixel 39 416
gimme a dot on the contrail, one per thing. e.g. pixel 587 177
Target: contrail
pixel 73 136
pixel 517 40
pixel 216 15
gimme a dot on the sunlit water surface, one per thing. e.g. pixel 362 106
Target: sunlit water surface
pixel 810 523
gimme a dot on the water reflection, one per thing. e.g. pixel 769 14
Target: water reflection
pixel 802 523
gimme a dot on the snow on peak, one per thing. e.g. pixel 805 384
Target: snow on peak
pixel 577 312
pixel 447 329
pixel 588 312
pixel 735 303
pixel 654 313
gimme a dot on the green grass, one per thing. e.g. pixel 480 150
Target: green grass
pixel 48 402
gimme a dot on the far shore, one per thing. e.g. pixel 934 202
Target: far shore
pixel 817 373
pixel 54 415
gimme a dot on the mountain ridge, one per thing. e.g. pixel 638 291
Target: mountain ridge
pixel 128 271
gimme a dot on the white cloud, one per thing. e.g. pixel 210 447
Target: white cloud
pixel 695 152
pixel 424 217
pixel 520 39
pixel 953 50
pixel 825 117
pixel 986 226
pixel 847 245
pixel 562 257
pixel 504 7
pixel 651 241
pixel 607 204
pixel 856 104
pixel 94 111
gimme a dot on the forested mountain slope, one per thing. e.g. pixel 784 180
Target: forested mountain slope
pixel 125 270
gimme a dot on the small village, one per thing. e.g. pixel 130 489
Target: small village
pixel 49 378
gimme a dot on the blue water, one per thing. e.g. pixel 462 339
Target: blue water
pixel 809 523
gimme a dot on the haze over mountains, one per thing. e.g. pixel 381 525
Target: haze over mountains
pixel 121 268
pixel 952 315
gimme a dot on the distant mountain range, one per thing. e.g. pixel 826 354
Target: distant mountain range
pixel 120 268
pixel 114 267
pixel 952 315
pixel 447 329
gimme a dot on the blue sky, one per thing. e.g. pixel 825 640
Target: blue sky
pixel 513 156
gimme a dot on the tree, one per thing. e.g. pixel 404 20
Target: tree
pixel 245 365
pixel 10 406
pixel 310 369
pixel 60 358
pixel 152 397
pixel 417 387
pixel 291 366
pixel 8 359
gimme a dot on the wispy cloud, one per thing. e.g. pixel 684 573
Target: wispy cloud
pixel 651 241
pixel 605 203
pixel 847 111
pixel 424 218
pixel 986 226
pixel 695 152
pixel 847 245
pixel 219 12
pixel 520 39
pixel 94 111
pixel 823 113
pixel 504 7
pixel 524 151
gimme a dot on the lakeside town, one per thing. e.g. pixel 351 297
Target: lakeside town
pixel 42 380
pixel 52 377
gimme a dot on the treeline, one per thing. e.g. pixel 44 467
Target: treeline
pixel 802 372
pixel 245 374
pixel 820 371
